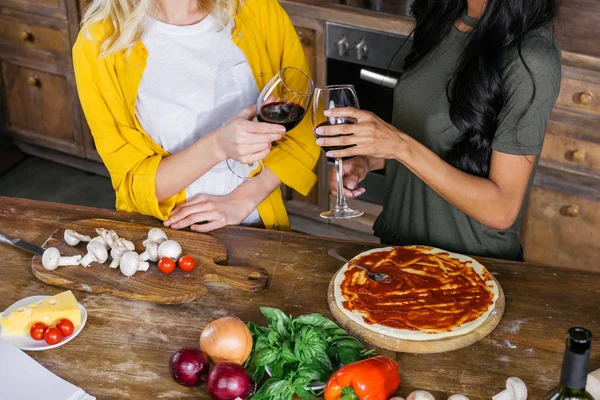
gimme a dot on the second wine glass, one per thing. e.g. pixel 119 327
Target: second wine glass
pixel 283 101
pixel 326 98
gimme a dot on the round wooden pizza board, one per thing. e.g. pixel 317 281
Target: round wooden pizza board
pixel 416 346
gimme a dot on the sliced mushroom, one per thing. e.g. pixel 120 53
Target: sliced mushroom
pixel 170 249
pixel 515 390
pixel 151 252
pixel 73 238
pixel 155 235
pixel 458 397
pixel 98 239
pixel 120 242
pixel 130 263
pixel 96 252
pixel 51 259
pixel 420 395
pixel 116 255
pixel 109 236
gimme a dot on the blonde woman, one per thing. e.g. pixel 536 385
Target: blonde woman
pixel 169 91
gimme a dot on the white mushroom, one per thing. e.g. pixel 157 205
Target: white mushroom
pixel 96 252
pixel 108 236
pixel 98 239
pixel 73 238
pixel 396 398
pixel 170 249
pixel 130 263
pixel 420 395
pixel 593 384
pixel 116 255
pixel 51 259
pixel 151 252
pixel 120 242
pixel 155 235
pixel 515 390
pixel 458 397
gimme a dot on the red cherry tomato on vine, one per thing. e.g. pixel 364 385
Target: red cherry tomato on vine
pixel 38 330
pixel 53 336
pixel 187 263
pixel 65 327
pixel 166 265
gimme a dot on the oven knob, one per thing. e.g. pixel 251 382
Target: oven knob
pixel 361 49
pixel 342 46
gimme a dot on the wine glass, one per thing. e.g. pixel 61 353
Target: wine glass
pixel 283 101
pixel 326 98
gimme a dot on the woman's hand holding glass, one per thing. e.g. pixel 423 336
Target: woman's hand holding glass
pixel 370 136
pixel 244 140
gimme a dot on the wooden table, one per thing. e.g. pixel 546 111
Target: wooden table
pixel 124 350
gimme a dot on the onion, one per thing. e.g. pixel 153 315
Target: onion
pixel 189 367
pixel 230 381
pixel 226 339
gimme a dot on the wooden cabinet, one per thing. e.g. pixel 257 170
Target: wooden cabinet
pixel 40 108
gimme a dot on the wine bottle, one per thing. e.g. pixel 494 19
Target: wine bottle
pixel 575 367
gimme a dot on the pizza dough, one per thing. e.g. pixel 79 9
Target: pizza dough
pixel 488 289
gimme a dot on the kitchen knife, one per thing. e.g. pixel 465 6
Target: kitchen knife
pixel 21 244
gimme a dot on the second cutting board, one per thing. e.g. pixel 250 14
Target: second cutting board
pixel 152 285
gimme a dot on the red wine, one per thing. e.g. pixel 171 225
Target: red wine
pixel 339 121
pixel 287 114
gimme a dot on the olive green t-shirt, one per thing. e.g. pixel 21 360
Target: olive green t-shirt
pixel 414 213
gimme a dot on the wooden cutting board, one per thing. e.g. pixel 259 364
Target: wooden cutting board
pixel 415 346
pixel 152 285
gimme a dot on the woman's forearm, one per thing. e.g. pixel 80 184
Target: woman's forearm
pixel 181 169
pixel 480 198
pixel 251 193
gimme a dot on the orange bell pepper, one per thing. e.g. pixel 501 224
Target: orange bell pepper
pixel 375 378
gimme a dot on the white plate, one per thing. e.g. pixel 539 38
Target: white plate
pixel 26 342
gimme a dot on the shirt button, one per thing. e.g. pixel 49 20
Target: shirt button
pixel 275 226
pixel 261 74
pixel 240 35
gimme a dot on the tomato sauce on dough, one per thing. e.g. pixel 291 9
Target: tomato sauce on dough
pixel 426 291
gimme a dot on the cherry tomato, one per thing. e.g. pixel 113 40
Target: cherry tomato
pixel 166 265
pixel 65 327
pixel 38 330
pixel 53 336
pixel 187 263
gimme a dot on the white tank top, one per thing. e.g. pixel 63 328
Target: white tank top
pixel 195 79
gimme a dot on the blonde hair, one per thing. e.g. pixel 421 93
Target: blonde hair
pixel 126 18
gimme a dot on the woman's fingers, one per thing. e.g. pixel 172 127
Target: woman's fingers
pixel 199 217
pixel 175 220
pixel 210 226
pixel 349 152
pixel 247 113
pixel 339 129
pixel 348 112
pixel 194 200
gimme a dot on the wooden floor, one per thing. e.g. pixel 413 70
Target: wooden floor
pixel 38 179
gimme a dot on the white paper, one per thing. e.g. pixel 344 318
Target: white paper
pixel 23 378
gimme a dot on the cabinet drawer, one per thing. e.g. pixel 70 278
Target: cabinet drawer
pixel 53 38
pixel 572 152
pixel 562 229
pixel 40 108
pixel 51 8
pixel 579 95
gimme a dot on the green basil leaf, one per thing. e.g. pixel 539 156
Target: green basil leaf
pixel 313 371
pixel 261 343
pixel 349 342
pixel 277 320
pixel 348 355
pixel 337 332
pixel 287 353
pixel 315 320
pixel 266 357
pixel 299 386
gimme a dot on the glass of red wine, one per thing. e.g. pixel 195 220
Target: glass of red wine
pixel 283 101
pixel 326 98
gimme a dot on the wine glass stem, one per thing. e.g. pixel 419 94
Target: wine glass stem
pixel 341 200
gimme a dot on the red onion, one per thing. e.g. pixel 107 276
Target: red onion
pixel 189 367
pixel 229 381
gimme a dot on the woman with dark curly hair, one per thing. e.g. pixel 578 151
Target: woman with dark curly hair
pixel 470 114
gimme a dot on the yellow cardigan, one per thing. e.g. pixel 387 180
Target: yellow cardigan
pixel 108 90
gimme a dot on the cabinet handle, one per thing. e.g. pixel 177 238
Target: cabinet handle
pixel 578 156
pixel 27 37
pixel 34 81
pixel 571 211
pixel 586 98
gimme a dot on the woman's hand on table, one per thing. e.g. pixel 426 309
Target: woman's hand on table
pixel 244 140
pixel 370 136
pixel 204 213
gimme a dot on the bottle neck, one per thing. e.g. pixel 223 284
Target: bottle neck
pixel 575 370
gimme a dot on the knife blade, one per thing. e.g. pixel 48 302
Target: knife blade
pixel 21 244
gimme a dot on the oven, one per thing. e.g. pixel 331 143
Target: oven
pixel 363 58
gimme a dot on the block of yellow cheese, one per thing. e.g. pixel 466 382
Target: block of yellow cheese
pixel 49 311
